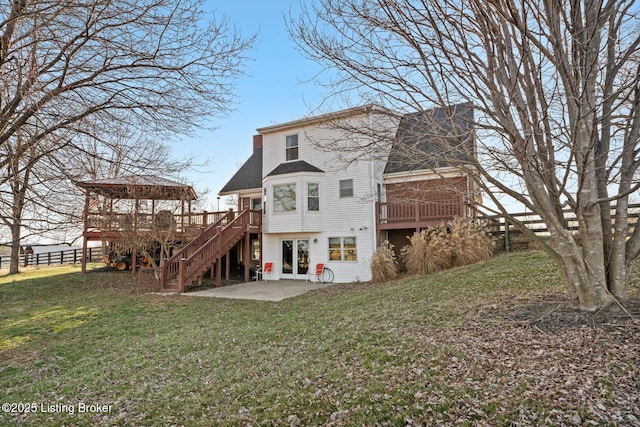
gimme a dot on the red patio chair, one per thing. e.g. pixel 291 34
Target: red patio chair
pixel 266 270
pixel 317 274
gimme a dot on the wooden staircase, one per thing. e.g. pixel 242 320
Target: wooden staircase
pixel 191 262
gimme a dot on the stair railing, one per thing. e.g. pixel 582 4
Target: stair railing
pixel 194 265
pixel 170 267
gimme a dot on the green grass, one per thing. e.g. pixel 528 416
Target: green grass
pixel 350 355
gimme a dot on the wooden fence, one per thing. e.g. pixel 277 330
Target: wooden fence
pixel 499 225
pixel 69 256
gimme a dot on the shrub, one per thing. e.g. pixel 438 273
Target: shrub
pixel 383 263
pixel 470 242
pixel 462 242
pixel 428 251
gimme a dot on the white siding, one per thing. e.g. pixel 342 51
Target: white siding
pixel 338 217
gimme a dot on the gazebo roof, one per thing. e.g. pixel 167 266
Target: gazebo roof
pixel 142 187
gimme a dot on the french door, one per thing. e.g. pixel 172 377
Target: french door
pixel 295 258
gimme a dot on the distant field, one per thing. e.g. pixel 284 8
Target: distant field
pixel 489 344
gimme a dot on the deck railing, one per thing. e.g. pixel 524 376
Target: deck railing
pixel 420 212
pixel 197 257
pixel 121 221
pixel 170 266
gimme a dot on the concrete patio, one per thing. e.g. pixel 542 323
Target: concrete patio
pixel 268 290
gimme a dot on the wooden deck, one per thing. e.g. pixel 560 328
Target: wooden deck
pixel 417 215
pixel 112 225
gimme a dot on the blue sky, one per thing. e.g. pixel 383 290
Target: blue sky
pixel 275 89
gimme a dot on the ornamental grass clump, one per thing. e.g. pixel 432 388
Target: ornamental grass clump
pixel 384 264
pixel 469 242
pixel 427 252
pixel 462 242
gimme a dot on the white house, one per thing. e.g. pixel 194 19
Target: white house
pixel 320 206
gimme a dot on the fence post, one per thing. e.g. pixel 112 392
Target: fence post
pixel 507 246
pixel 61 257
pixel 75 256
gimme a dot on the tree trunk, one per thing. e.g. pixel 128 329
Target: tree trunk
pixel 593 291
pixel 15 249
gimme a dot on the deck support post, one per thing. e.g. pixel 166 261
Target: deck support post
pixel 181 275
pixel 219 271
pixel 246 252
pixel 85 227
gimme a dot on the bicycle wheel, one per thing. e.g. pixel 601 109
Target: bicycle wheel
pixel 326 276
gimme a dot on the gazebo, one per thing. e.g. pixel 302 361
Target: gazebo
pixel 121 209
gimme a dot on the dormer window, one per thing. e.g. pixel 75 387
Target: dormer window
pixel 292 147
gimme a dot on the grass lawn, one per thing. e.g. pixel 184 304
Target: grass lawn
pixel 490 344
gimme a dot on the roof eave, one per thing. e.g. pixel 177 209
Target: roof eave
pixel 349 112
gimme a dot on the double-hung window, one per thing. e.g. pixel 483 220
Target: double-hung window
pixel 313 197
pixel 291 147
pixel 346 188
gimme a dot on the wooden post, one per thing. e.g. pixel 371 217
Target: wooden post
pixel 260 245
pixel 219 271
pixel 134 261
pixel 84 232
pixel 227 265
pixel 247 253
pixel 135 215
pixel 181 275
pixel 507 246
pixel 182 215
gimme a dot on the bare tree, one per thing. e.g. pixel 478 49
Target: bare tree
pixel 74 69
pixel 41 199
pixel 556 91
pixel 155 65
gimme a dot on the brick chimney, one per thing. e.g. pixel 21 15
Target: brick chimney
pixel 257 142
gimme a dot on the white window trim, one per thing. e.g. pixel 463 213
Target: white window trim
pixel 295 200
pixel 316 197
pixel 340 188
pixel 342 249
pixel 287 148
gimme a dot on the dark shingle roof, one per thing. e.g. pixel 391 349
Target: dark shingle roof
pixel 293 167
pixel 248 177
pixel 435 138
